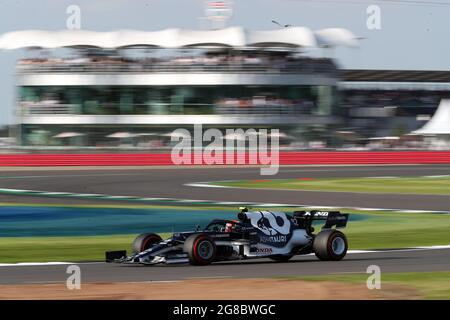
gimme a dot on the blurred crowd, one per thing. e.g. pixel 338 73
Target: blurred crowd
pixel 206 61
pixel 264 105
pixel 405 98
pixel 257 105
pixel 376 119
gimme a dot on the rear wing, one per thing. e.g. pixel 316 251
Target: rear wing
pixel 331 218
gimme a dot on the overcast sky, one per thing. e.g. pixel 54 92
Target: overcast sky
pixel 413 35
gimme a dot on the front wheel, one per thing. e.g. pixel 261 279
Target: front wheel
pixel 330 245
pixel 201 249
pixel 145 241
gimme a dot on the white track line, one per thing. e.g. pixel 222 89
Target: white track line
pixel 205 185
pixel 208 185
pixel 386 177
pixel 422 248
pixel 438 176
pixel 175 201
pixel 30 264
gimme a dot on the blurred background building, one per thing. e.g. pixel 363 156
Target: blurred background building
pixel 379 103
pixel 95 89
pixel 132 88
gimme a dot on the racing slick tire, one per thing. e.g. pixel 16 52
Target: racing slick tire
pixel 201 249
pixel 330 245
pixel 145 241
pixel 281 257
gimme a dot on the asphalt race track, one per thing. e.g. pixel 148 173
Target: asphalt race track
pixel 389 261
pixel 171 182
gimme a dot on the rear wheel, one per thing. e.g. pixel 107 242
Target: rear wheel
pixel 201 249
pixel 330 245
pixel 145 241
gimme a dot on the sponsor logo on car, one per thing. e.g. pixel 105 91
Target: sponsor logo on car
pixel 318 213
pixel 273 239
pixel 264 250
pixel 271 223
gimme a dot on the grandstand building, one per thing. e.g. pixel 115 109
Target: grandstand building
pixel 90 86
pixel 104 89
pixel 377 103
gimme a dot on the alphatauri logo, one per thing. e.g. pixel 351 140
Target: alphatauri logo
pixel 272 223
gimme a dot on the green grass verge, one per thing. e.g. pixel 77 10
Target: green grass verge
pixel 403 185
pixel 398 230
pixel 71 249
pixel 429 285
pixel 374 230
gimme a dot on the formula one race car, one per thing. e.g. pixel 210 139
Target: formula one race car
pixel 256 234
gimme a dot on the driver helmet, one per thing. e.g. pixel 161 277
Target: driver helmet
pixel 230 226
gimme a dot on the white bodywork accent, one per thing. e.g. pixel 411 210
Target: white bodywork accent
pixel 272 217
